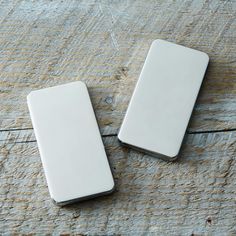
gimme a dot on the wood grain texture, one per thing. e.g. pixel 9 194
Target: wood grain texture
pixel 195 195
pixel 104 43
pixel 47 43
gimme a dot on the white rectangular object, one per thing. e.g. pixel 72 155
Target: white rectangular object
pixel 163 99
pixel 70 144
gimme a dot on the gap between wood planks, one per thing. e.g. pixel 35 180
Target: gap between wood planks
pixel 115 134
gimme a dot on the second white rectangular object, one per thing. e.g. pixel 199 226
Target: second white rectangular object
pixel 69 141
pixel 163 99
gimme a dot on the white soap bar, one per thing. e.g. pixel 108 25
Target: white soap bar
pixel 163 99
pixel 70 144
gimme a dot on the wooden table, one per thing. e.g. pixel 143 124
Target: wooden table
pixel 45 43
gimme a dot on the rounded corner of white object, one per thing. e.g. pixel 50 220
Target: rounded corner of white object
pixel 157 41
pixel 111 188
pixel 30 95
pixel 206 56
pixel 120 137
pixel 173 157
pixel 81 83
pixel 55 200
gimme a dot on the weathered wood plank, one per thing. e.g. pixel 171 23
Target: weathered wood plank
pixel 195 195
pixel 46 43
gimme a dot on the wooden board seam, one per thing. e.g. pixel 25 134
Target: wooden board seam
pixel 108 135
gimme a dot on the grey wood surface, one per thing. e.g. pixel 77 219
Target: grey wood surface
pixel 104 43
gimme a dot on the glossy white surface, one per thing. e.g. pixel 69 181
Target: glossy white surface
pixel 163 100
pixel 69 141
